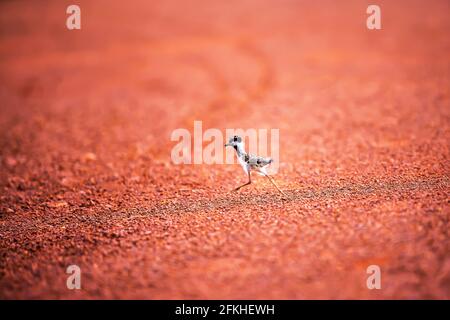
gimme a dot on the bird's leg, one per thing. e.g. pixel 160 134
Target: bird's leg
pixel 245 184
pixel 273 182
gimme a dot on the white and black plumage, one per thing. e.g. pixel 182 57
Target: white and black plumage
pixel 251 162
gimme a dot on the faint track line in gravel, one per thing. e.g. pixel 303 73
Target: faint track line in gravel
pixel 172 207
pixel 224 97
pixel 37 234
pixel 267 79
pixel 348 191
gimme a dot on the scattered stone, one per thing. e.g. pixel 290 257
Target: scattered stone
pixel 10 161
pixel 57 204
pixel 89 157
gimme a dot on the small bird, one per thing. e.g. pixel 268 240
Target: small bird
pixel 250 162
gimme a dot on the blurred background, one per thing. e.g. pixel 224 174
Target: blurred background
pixel 85 169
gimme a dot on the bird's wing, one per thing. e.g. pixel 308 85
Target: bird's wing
pixel 259 161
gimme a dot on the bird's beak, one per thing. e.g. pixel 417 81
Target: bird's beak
pixel 226 145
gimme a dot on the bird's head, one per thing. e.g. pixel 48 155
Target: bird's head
pixel 234 142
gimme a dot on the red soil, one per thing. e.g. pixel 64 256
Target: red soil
pixel 86 176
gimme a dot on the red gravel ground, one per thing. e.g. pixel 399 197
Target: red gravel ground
pixel 86 176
